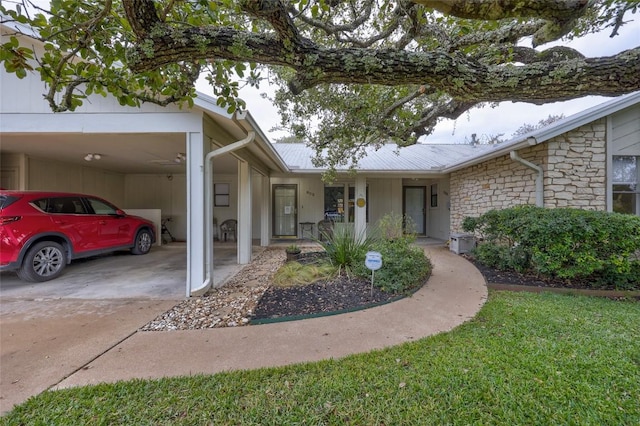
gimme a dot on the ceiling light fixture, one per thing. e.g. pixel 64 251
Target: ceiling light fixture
pixel 92 156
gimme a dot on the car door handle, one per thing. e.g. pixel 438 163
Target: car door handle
pixel 103 222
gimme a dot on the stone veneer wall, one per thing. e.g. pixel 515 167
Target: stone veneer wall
pixel 574 176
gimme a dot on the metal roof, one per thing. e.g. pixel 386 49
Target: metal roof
pixel 389 158
pixel 445 158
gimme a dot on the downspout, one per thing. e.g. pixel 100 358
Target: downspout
pixel 539 178
pixel 208 188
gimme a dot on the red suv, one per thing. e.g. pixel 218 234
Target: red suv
pixel 41 232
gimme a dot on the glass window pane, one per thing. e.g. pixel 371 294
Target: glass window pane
pixel 101 208
pixel 625 169
pixel 67 205
pixel 334 203
pixel 221 195
pixel 625 199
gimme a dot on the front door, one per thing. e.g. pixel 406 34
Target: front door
pixel 414 207
pixel 285 212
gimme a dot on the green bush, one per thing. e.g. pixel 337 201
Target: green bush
pixel 404 266
pixel 561 243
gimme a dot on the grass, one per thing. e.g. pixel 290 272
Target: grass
pixel 296 274
pixel 526 359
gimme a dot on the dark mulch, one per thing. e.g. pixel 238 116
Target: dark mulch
pixel 510 280
pixel 342 293
pixel 322 297
pixel 496 276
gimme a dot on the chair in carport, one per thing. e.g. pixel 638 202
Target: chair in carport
pixel 228 229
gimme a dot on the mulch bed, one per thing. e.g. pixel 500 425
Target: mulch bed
pixel 325 297
pixel 515 281
pixel 344 294
pixel 322 297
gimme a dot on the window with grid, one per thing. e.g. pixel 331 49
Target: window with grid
pixel 221 194
pixel 626 180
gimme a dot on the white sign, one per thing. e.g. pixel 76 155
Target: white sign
pixel 373 260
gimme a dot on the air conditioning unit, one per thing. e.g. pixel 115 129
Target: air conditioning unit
pixel 462 243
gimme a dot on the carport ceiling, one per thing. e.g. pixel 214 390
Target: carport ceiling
pixel 151 153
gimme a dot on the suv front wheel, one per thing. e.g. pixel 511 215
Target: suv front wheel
pixel 43 262
pixel 143 242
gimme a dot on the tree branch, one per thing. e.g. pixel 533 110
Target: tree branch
pixel 455 74
pixel 142 16
pixel 560 15
pixel 500 9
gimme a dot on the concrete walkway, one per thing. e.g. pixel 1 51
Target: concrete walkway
pixel 455 292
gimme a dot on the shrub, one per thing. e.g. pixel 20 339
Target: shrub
pixel 561 243
pixel 345 250
pixel 404 266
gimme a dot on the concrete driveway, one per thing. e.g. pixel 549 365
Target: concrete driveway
pixel 50 330
pixel 160 274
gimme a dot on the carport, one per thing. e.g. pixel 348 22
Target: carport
pixel 149 159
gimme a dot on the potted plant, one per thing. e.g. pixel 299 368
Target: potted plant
pixel 292 252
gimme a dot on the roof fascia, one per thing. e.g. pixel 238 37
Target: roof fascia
pixel 587 116
pixel 208 104
pixel 549 132
pixel 430 173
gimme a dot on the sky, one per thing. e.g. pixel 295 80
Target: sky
pixel 484 122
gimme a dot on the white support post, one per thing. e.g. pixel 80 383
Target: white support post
pixel 265 213
pixel 360 225
pixel 196 150
pixel 244 213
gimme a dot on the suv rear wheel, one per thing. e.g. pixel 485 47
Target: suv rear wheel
pixel 43 262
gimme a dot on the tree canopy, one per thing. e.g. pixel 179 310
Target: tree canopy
pixel 350 73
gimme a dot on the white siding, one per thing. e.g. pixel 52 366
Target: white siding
pixel 626 132
pixel 47 175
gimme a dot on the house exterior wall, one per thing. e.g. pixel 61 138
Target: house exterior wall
pixel 625 132
pixel 575 175
pixel 438 217
pixel 48 175
pixel 574 167
pixel 13 171
pixel 18 95
pixel 495 184
pixel 385 196
pixel 153 191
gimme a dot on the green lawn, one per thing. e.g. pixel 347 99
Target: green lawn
pixel 525 359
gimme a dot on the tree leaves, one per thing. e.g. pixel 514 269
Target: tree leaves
pixel 351 75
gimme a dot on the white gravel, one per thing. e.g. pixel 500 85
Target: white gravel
pixel 228 306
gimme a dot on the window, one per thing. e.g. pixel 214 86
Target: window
pixel 434 195
pixel 339 209
pixel 626 180
pixel 221 194
pixel 61 205
pixel 334 203
pixel 100 207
